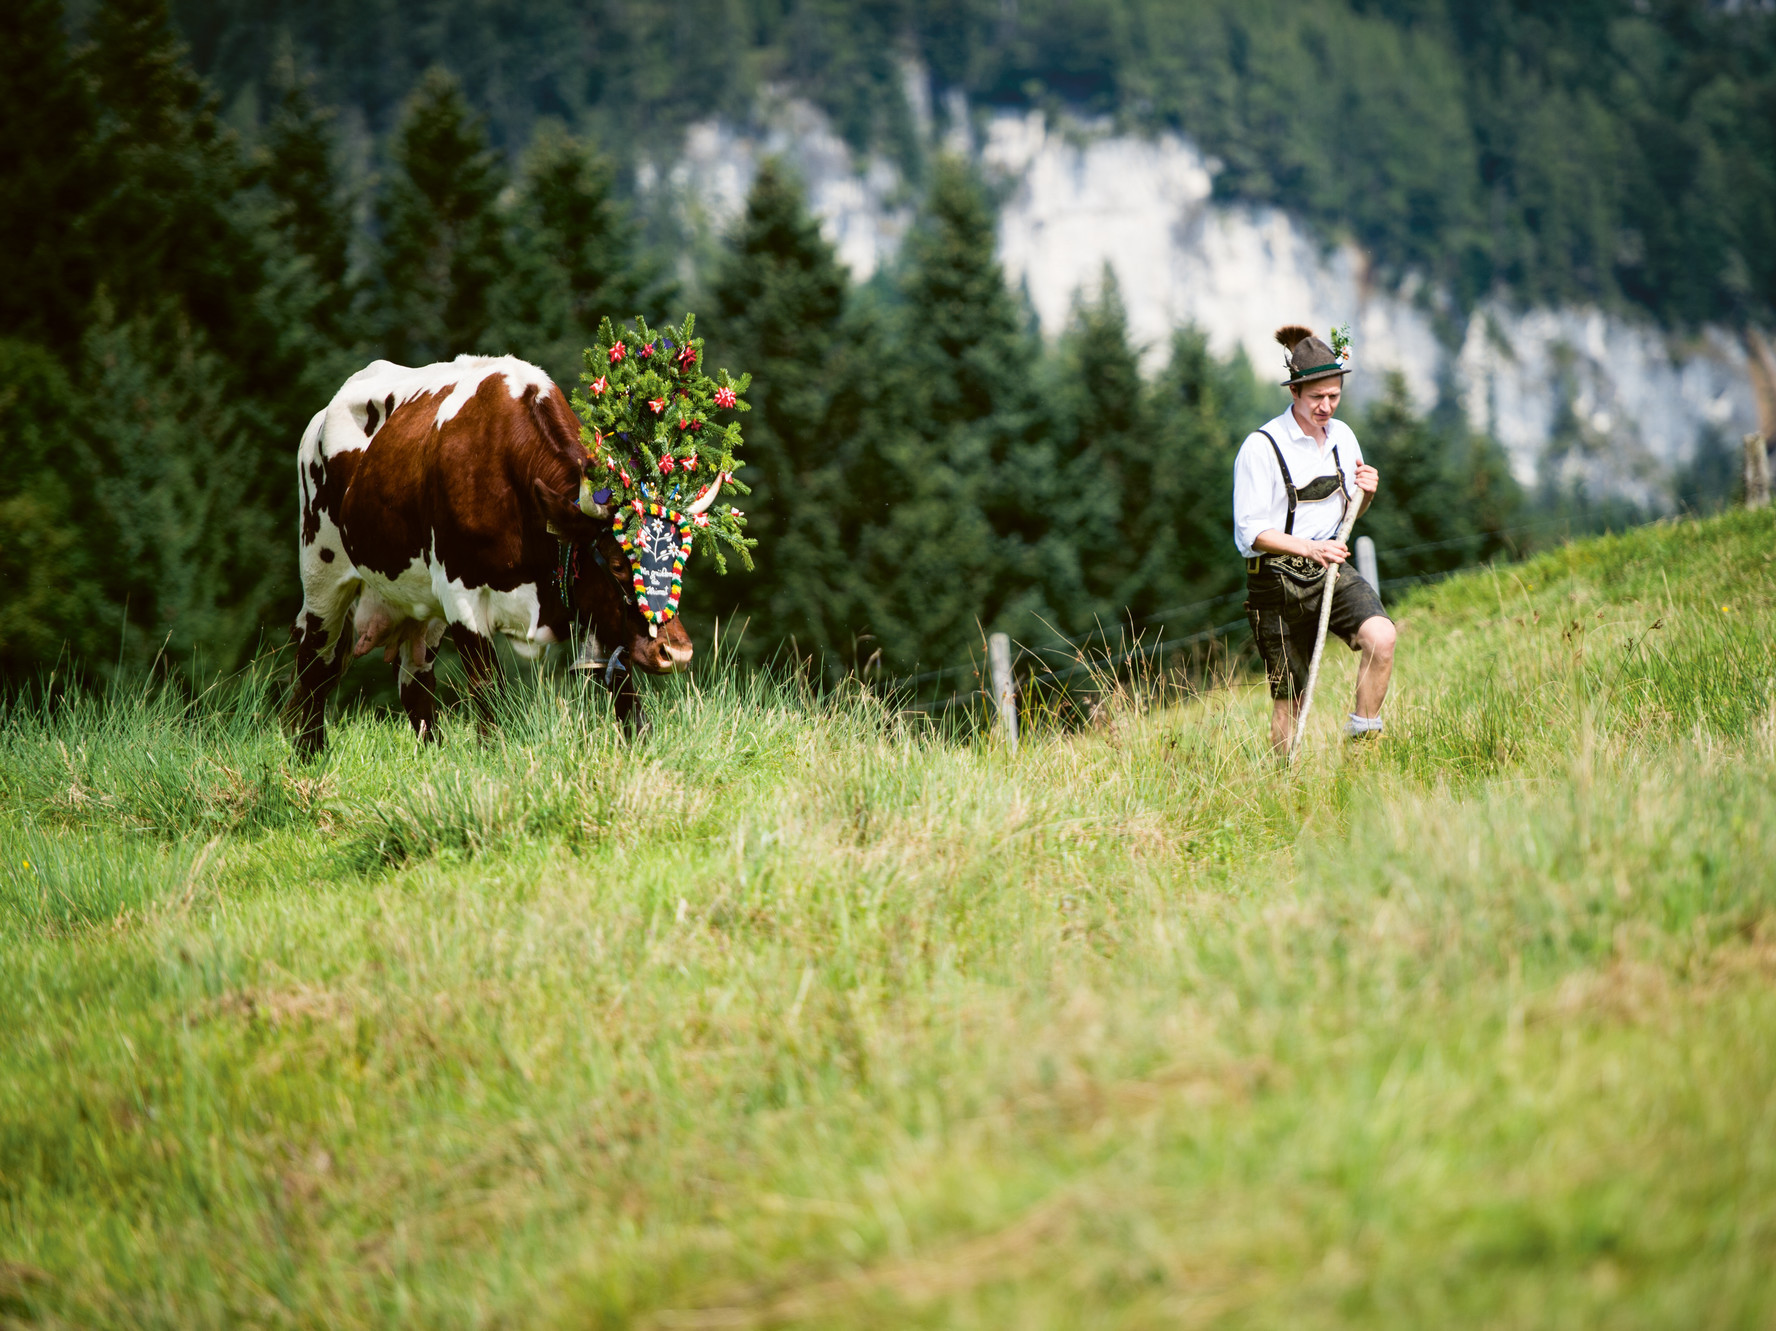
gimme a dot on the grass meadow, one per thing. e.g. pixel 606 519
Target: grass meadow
pixel 805 1013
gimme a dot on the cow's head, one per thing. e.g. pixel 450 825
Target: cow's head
pixel 601 585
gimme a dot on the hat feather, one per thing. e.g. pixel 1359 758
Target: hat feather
pixel 1292 335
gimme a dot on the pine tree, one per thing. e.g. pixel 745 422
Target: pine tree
pixel 307 224
pixel 949 545
pixel 780 305
pixel 1098 543
pixel 50 575
pixel 47 177
pixel 573 255
pixel 442 248
pixel 168 508
pixel 312 212
pixel 1203 409
pixel 166 239
pixel 195 488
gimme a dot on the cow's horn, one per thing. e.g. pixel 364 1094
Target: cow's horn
pixel 588 506
pixel 706 499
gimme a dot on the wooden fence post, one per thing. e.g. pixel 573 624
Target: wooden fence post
pixel 1004 689
pixel 1366 564
pixel 1757 471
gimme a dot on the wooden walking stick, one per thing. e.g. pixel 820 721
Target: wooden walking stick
pixel 1313 667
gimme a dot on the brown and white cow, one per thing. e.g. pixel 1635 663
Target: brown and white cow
pixel 437 500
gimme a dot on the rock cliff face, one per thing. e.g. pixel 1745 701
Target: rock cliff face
pixel 1571 393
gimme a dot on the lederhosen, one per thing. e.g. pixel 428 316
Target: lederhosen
pixel 1288 587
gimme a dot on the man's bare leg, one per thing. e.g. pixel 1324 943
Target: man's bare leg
pixel 1283 712
pixel 1376 639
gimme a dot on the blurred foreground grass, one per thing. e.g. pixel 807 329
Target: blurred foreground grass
pixel 803 1015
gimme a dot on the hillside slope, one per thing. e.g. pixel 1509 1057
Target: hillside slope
pixel 802 1016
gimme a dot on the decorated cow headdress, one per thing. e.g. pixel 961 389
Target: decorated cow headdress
pixel 662 436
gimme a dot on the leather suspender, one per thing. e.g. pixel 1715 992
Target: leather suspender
pixel 1289 484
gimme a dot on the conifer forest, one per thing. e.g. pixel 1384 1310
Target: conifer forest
pixel 215 210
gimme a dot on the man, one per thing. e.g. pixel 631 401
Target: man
pixel 1292 484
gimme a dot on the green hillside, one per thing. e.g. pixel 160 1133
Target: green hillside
pixel 808 1014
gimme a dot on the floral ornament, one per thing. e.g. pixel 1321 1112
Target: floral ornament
pixel 1341 346
pixel 652 403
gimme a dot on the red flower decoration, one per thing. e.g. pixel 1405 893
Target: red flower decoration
pixel 724 397
pixel 625 476
pixel 618 351
pixel 666 467
pixel 690 463
pixel 647 349
pixel 687 359
pixel 658 404
pixel 601 385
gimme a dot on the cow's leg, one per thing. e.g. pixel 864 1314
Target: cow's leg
pixel 319 664
pixel 482 667
pixel 416 678
pixel 625 697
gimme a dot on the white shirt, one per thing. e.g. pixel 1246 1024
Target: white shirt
pixel 1260 502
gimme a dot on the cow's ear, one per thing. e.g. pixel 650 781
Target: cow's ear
pixel 564 517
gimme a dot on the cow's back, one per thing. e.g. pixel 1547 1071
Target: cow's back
pixel 424 480
pixel 434 465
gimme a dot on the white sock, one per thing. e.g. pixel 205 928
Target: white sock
pixel 1363 725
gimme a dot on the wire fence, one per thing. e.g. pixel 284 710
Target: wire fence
pixel 1088 653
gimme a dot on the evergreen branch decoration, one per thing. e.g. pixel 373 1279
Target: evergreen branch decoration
pixel 662 431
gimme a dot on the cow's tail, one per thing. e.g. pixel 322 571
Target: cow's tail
pixel 309 450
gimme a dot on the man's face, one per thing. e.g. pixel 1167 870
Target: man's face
pixel 1319 400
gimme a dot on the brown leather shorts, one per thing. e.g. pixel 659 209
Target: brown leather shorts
pixel 1284 626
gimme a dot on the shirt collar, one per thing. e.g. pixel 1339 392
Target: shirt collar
pixel 1301 436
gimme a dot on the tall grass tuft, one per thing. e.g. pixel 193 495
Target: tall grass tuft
pixel 57 879
pixel 149 756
